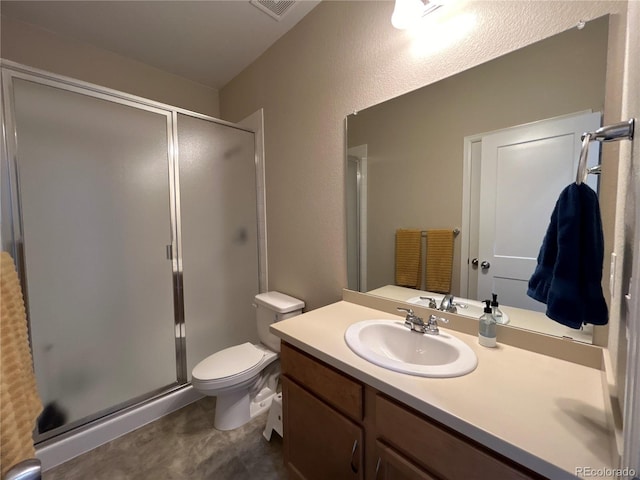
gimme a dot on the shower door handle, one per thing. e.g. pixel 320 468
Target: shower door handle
pixel 169 249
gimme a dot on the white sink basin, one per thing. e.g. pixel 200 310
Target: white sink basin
pixel 391 345
pixel 466 307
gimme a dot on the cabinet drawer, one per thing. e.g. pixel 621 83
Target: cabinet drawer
pixel 339 391
pixel 391 465
pixel 438 450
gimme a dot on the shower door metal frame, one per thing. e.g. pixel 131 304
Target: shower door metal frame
pixel 11 72
pixel 13 225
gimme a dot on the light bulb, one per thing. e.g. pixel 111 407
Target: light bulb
pixel 406 13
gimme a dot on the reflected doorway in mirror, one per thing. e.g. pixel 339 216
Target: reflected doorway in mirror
pixel 356 201
pixel 512 179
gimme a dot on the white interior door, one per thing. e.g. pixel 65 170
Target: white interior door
pixel 523 170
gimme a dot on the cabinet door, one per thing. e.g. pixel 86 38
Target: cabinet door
pixel 390 465
pixel 319 442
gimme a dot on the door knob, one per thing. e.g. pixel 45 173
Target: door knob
pixel 474 262
pixel 485 265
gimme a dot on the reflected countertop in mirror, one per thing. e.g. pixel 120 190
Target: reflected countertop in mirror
pixel 518 317
pixel 411 164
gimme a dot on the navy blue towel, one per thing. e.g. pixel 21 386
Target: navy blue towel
pixel 569 272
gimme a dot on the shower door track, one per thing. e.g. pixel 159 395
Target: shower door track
pixel 69 429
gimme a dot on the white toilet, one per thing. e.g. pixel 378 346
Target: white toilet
pixel 244 377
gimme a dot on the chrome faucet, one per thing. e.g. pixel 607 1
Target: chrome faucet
pixel 447 304
pixel 417 324
pixel 432 302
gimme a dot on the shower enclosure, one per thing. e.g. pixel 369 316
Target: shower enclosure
pixel 134 227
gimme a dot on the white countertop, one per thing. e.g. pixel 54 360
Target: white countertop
pixel 544 413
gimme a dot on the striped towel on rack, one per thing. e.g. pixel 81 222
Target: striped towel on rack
pixel 439 260
pixel 409 258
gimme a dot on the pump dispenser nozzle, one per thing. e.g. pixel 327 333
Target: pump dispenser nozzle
pixel 487 309
pixel 497 313
pixel 487 327
pixel 494 302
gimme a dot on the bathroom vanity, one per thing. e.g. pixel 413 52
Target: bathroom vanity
pixel 518 415
pixel 333 421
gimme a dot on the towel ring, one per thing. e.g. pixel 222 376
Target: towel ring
pixel 581 176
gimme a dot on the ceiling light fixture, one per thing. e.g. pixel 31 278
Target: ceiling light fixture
pixel 408 13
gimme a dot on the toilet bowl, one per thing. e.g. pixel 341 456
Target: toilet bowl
pixel 244 377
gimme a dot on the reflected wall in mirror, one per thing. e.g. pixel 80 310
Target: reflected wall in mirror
pixel 486 151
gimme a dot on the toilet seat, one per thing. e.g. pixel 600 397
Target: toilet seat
pixel 231 367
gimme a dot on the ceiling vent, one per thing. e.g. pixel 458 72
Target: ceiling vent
pixel 274 8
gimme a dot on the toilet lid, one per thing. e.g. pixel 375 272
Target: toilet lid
pixel 228 362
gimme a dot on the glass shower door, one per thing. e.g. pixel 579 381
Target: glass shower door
pixel 94 190
pixel 218 220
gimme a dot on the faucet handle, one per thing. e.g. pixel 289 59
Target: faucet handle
pixel 407 310
pixel 432 301
pixel 431 326
pixel 412 321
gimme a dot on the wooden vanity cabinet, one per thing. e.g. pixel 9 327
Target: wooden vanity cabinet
pixel 337 428
pixel 320 442
pixel 322 414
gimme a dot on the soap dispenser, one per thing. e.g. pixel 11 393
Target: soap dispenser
pixel 495 310
pixel 487 327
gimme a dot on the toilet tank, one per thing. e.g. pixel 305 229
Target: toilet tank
pixel 272 307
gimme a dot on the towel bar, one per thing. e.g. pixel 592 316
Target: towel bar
pixel 608 133
pixel 456 232
pixel 30 469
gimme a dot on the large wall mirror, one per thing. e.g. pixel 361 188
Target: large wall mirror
pixel 485 154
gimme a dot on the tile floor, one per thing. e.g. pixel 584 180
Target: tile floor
pixel 182 445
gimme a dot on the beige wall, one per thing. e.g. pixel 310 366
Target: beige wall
pixel 415 142
pixel 631 317
pixel 346 56
pixel 42 49
pixel 626 243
